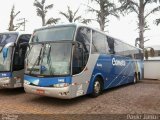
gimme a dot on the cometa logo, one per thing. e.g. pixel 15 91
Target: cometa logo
pixel 118 62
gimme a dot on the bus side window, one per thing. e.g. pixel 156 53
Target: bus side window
pixel 99 43
pixel 82 49
pixel 84 37
pixel 111 45
pixel 77 64
pixel 19 55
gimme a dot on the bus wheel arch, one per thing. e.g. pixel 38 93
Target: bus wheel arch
pixel 98 86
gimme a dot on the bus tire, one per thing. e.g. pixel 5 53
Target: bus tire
pixel 139 76
pixel 97 87
pixel 135 78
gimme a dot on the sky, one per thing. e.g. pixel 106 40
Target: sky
pixel 124 28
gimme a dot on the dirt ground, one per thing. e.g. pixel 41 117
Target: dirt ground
pixel 140 98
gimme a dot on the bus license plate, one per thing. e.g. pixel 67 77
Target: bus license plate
pixel 38 91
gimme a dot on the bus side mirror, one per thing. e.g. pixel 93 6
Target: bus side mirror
pixel 5 49
pixel 5 53
pixel 11 44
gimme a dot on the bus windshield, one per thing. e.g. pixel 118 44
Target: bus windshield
pixel 6 38
pixel 53 34
pixel 5 60
pixel 50 59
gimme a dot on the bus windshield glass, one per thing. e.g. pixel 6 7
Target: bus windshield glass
pixel 5 60
pixel 54 34
pixel 50 59
pixel 7 38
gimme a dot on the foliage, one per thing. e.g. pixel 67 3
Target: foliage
pixel 71 16
pixel 106 9
pixel 149 52
pixel 13 15
pixel 139 7
pixel 42 10
pixel 157 21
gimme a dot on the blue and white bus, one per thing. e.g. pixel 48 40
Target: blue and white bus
pixel 12 58
pixel 67 61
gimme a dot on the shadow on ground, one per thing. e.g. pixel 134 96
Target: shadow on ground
pixel 14 91
pixel 59 102
pixel 68 102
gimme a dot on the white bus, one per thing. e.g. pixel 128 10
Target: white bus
pixel 67 61
pixel 12 55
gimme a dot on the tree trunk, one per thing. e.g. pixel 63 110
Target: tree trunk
pixel 101 23
pixel 11 26
pixel 102 15
pixel 141 23
pixel 43 21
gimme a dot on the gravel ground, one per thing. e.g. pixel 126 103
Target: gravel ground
pixel 140 98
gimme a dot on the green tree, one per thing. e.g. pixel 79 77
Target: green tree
pixel 72 16
pixel 13 15
pixel 140 8
pixel 106 9
pixel 42 10
pixel 149 52
pixel 157 21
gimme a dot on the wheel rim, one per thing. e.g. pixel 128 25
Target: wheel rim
pixel 97 87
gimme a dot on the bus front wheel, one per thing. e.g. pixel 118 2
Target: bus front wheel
pixel 97 88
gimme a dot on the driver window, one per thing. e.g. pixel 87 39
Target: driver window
pixel 77 64
pixel 84 38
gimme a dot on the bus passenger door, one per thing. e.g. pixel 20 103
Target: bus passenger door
pixel 80 71
pixel 18 60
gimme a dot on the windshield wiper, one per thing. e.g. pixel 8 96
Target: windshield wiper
pixel 37 61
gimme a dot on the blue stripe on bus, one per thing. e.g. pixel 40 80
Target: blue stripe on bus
pixel 48 81
pixel 6 74
pixel 112 75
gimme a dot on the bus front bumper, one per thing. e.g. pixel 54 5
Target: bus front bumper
pixel 5 82
pixel 62 93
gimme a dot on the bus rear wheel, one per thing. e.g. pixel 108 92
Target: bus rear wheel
pixel 97 88
pixel 135 78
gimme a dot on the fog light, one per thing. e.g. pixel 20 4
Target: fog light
pixel 60 85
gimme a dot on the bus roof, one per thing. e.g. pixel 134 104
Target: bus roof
pixel 15 32
pixel 83 25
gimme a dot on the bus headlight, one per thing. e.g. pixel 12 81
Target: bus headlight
pixel 26 82
pixel 61 85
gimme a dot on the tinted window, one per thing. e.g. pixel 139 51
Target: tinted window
pixel 111 42
pixel 24 38
pixel 78 61
pixel 19 54
pixel 119 47
pixel 99 43
pixel 138 54
pixel 6 38
pixel 128 50
pixel 84 37
pixel 54 34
